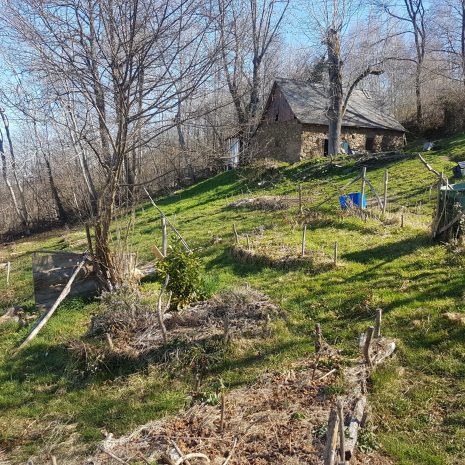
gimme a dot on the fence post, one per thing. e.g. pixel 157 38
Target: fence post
pixel 304 236
pixel 336 247
pixel 386 179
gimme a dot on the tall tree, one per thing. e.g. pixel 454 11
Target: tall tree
pixel 247 29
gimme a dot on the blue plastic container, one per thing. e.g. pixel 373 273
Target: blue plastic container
pixel 352 199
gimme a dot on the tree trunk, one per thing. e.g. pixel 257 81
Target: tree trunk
pixel 333 42
pixel 418 96
pixel 61 212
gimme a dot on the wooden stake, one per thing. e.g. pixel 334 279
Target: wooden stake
pixel 8 267
pixel 366 348
pixel 304 235
pixel 109 340
pixel 53 460
pixel 342 449
pixel 43 320
pixel 248 241
pixel 223 405
pixel 160 311
pixel 379 314
pixel 301 208
pixel 164 237
pixel 236 236
pixel 336 246
pixel 331 437
pixel 402 220
pixel 386 180
pixel 318 338
pixel 362 194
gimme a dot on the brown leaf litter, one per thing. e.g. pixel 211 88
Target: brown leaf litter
pixel 278 420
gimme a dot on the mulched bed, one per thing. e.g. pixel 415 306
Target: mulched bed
pixel 278 420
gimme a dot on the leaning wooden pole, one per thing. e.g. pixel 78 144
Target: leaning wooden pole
pixel 385 196
pixel 362 193
pixel 43 321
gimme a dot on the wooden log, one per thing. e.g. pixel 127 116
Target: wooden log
pixel 362 193
pixel 342 438
pixel 318 338
pixel 366 348
pixel 44 319
pixel 164 237
pixel 336 247
pixel 353 429
pixel 304 235
pixel 385 195
pixel 379 314
pixel 331 438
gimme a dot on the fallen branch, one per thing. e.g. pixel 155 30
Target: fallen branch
pixel 355 424
pixel 195 455
pixel 429 167
pixel 43 320
pixel 113 456
pixel 230 453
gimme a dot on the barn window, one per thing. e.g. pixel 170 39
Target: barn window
pixel 276 117
pixel 370 144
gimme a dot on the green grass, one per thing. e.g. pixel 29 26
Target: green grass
pixel 418 397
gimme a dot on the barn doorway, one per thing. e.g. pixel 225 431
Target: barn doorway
pixel 370 144
pixel 326 148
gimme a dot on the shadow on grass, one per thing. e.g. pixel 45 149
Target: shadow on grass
pixel 391 251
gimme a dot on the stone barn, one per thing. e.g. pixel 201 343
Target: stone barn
pixel 294 125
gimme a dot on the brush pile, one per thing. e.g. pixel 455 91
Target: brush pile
pixel 126 329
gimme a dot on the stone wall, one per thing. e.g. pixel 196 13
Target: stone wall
pixel 313 140
pixel 278 140
pixel 292 141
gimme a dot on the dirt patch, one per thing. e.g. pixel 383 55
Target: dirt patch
pixel 278 420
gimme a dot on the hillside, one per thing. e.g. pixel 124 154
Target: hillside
pixel 417 398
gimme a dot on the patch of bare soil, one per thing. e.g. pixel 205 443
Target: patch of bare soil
pixel 279 420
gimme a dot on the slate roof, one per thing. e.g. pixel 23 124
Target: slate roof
pixel 309 103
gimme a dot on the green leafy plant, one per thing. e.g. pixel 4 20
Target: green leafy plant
pixel 185 283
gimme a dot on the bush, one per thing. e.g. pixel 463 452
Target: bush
pixel 185 283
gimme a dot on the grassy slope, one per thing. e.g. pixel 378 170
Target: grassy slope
pixel 418 397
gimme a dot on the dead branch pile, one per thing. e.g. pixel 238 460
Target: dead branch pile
pixel 269 203
pixel 280 419
pixel 128 329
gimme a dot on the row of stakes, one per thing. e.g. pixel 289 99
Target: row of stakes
pixel 372 332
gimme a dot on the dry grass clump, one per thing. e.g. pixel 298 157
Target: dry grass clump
pixel 282 257
pixel 267 203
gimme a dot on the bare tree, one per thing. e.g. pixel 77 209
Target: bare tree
pixel 114 57
pixel 412 13
pixel 247 29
